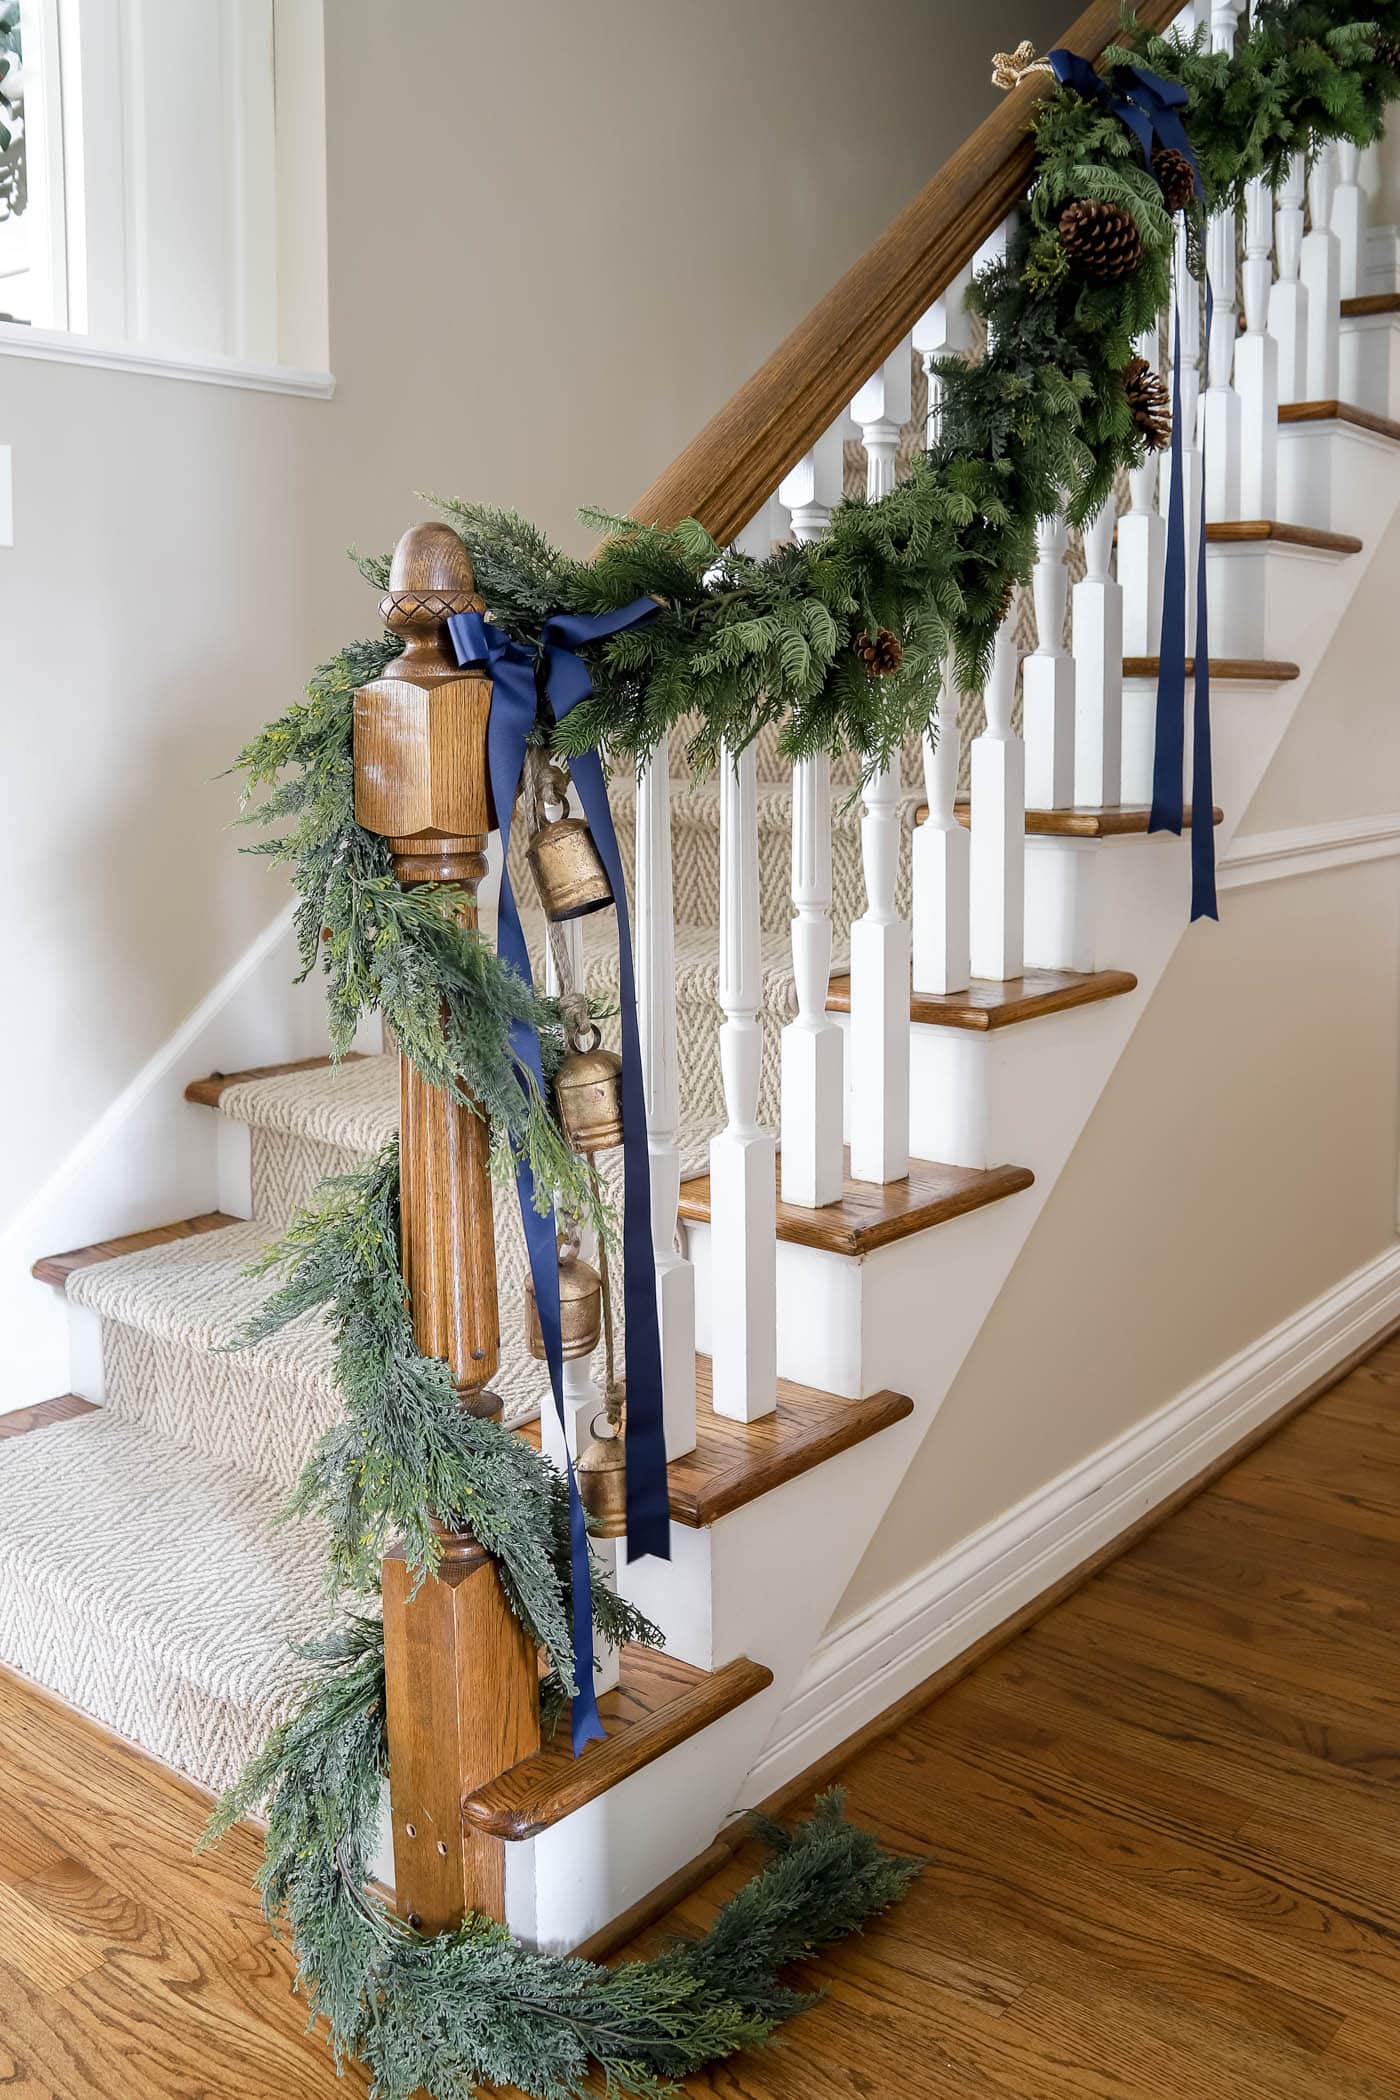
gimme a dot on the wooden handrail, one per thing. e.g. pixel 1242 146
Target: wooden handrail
pixel 760 434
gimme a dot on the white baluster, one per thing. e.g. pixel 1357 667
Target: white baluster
pixel 880 978
pixel 1047 678
pixel 999 823
pixel 880 942
pixel 1257 362
pixel 1221 413
pixel 1288 296
pixel 1098 671
pixel 942 859
pixel 810 1154
pixel 1188 301
pixel 743 1191
pixel 941 847
pixel 1320 266
pixel 944 330
pixel 1349 221
pixel 655 948
pixel 1142 543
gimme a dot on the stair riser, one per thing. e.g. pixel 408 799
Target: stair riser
pixel 1370 361
pixel 248 1413
pixel 1337 476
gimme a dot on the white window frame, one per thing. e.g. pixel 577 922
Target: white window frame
pixel 112 276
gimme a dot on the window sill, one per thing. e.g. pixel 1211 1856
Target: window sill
pixel 56 346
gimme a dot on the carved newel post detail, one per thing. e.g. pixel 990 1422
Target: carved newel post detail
pixel 461 1676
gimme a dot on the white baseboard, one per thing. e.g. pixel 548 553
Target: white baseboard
pixel 867 1663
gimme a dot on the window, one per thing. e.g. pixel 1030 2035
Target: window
pixel 162 183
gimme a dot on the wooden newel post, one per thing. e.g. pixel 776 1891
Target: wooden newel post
pixel 461 1676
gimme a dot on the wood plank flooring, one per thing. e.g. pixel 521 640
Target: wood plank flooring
pixel 1163 1827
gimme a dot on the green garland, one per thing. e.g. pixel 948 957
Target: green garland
pixel 1041 424
pixel 446 2014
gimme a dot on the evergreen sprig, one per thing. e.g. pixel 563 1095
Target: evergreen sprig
pixel 447 2014
pixel 405 1453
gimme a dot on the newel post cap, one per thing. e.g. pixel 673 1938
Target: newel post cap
pixel 420 730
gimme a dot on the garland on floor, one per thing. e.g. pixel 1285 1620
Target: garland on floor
pixel 472 2007
pixel 838 644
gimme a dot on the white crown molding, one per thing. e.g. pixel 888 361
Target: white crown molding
pixel 54 346
pixel 870 1661
pixel 1306 849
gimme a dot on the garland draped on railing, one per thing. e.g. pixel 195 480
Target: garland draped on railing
pixel 839 644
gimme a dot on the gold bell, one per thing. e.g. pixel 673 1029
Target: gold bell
pixel 580 1308
pixel 588 1089
pixel 601 1472
pixel 568 871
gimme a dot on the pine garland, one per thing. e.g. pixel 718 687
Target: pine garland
pixel 446 2014
pixel 1042 424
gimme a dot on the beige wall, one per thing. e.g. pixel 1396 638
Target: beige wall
pixel 560 235
pixel 1242 1158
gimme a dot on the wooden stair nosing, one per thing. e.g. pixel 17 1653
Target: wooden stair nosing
pixel 1081 820
pixel 64 1407
pixel 734 1462
pixel 872 1214
pixel 1228 670
pixel 57 1268
pixel 660 1703
pixel 990 1003
pixel 206 1092
pixel 1370 303
pixel 1340 412
pixel 1243 531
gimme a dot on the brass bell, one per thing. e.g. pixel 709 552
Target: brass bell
pixel 568 871
pixel 588 1089
pixel 580 1308
pixel 601 1472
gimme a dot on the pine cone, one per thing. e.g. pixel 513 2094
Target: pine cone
pixel 1175 178
pixel 1101 240
pixel 1005 602
pixel 1148 403
pixel 1387 51
pixel 881 653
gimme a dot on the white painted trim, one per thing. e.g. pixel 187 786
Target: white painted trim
pixel 866 1664
pixel 55 347
pixel 1306 849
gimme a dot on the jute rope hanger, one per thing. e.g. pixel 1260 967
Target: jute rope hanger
pixel 1010 68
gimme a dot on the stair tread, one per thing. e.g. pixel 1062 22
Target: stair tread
pixel 117 1612
pixel 1083 820
pixel 1231 670
pixel 1233 531
pixel 209 1091
pixel 1370 303
pixel 659 1703
pixel 991 1003
pixel 733 1463
pixel 1340 412
pixel 57 1268
pixel 64 1407
pixel 873 1214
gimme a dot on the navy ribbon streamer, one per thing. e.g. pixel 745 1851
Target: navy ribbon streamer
pixel 1169 754
pixel 514 671
pixel 1149 105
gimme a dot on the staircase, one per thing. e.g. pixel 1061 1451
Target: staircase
pixel 808 1344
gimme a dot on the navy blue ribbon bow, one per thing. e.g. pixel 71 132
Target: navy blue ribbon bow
pixel 1149 105
pixel 518 676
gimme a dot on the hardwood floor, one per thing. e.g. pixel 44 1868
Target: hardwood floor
pixel 1163 1828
